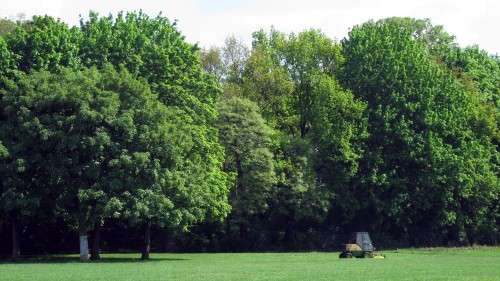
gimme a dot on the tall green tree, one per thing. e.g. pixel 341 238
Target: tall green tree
pixel 292 78
pixel 170 66
pixel 177 175
pixel 8 211
pixel 480 73
pixel 248 145
pixel 423 137
pixel 60 120
pixel 338 136
pixel 111 149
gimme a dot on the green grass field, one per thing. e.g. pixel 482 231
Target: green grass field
pixel 436 264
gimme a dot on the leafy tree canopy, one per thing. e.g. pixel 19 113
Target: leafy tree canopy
pixel 102 141
pixel 423 131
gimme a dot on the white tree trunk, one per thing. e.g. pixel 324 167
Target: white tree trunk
pixel 84 247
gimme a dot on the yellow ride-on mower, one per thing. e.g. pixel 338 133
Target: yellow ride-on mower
pixel 360 246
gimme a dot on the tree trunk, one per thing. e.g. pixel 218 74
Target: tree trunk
pixel 96 239
pixel 147 241
pixel 16 251
pixel 84 245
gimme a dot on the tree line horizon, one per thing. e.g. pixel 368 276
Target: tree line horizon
pixel 119 127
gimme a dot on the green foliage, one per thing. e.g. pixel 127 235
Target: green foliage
pixel 480 72
pixel 319 125
pixel 269 84
pixel 484 71
pixel 338 133
pixel 7 63
pixel 423 139
pixel 299 196
pixel 6 26
pixel 248 145
pixel 182 182
pixel 434 37
pixel 302 56
pixel 339 128
pixel 150 48
pixel 211 59
pixel 247 141
pixel 394 130
pixel 44 43
pixel 292 77
pixel 234 57
pixel 153 49
pixel 106 142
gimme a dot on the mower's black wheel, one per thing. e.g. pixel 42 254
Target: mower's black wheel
pixel 345 255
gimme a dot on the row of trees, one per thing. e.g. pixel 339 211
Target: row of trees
pixel 110 120
pixel 393 130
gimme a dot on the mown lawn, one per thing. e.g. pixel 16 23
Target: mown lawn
pixel 435 264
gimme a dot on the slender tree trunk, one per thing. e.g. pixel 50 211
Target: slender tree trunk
pixel 84 244
pixel 96 241
pixel 16 251
pixel 147 241
pixel 239 176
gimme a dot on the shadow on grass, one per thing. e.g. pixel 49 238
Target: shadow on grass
pixel 66 259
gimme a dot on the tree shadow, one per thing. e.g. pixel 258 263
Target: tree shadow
pixel 69 259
